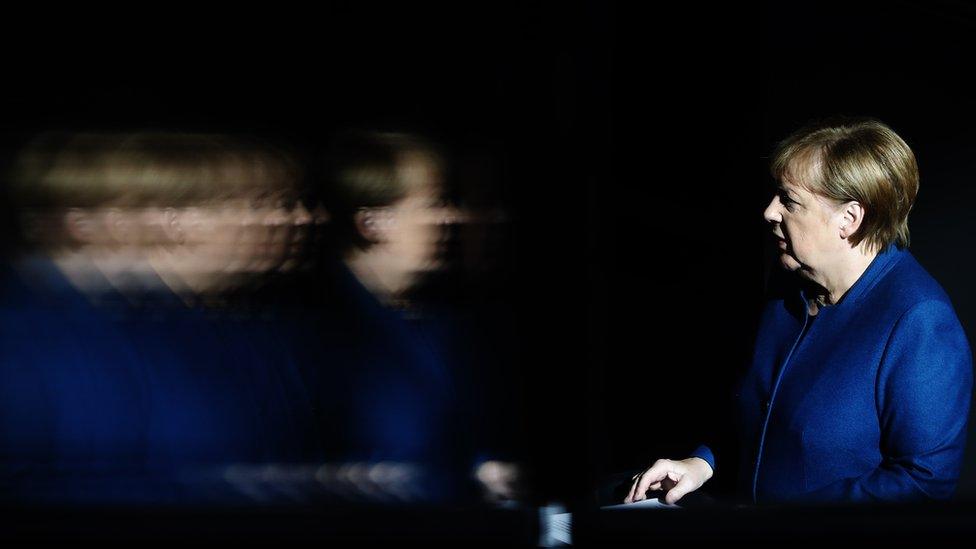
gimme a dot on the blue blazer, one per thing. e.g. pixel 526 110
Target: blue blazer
pixel 867 401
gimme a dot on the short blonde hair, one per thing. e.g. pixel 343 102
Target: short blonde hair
pixel 90 170
pixel 858 160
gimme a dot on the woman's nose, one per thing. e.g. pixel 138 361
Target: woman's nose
pixel 447 214
pixel 454 215
pixel 772 213
pixel 300 215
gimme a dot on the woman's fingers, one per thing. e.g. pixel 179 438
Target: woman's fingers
pixel 686 484
pixel 655 474
pixel 632 495
pixel 633 490
pixel 675 478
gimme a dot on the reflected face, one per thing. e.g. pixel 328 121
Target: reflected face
pixel 806 227
pixel 419 221
pixel 211 246
pixel 245 236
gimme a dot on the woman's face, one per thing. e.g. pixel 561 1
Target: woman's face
pixel 808 228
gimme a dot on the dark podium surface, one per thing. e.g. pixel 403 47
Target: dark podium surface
pixel 495 527
pixel 712 522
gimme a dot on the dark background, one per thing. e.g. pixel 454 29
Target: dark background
pixel 628 146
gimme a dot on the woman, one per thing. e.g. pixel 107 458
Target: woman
pixel 860 382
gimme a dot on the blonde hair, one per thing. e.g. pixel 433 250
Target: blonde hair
pixel 61 170
pixel 858 160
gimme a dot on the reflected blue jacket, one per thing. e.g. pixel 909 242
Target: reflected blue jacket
pixel 116 404
pixel 867 401
pixel 162 403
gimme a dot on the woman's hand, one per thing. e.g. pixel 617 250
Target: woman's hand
pixel 500 481
pixel 676 478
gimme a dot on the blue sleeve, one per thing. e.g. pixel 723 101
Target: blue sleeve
pixel 923 391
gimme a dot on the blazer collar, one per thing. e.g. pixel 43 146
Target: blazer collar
pixel 879 267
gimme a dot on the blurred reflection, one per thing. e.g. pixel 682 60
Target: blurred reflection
pixel 392 218
pixel 406 372
pixel 353 482
pixel 131 369
pixel 179 327
pixel 201 214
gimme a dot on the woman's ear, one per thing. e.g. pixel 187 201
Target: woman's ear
pixel 853 217
pixel 374 224
pixel 172 226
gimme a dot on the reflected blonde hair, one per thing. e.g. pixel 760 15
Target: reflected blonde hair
pixel 90 170
pixel 859 160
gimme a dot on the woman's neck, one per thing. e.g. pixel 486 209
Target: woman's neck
pixel 835 281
